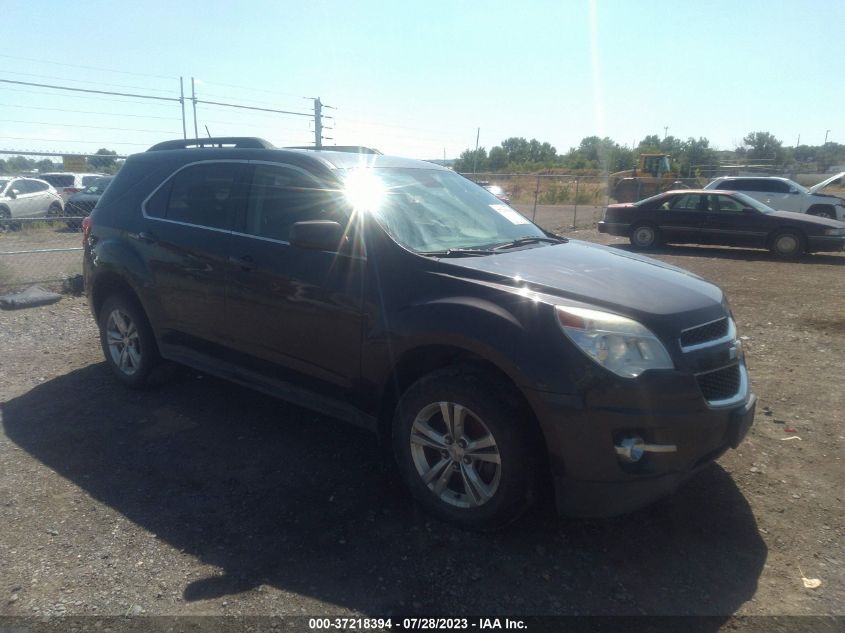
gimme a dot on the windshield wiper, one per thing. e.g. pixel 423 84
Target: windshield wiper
pixel 458 252
pixel 523 241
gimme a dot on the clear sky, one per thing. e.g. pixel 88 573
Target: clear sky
pixel 417 78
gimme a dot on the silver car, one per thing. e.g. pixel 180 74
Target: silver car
pixel 28 198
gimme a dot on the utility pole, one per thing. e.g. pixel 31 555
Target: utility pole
pixel 475 156
pixel 798 143
pixel 825 136
pixel 665 131
pixel 182 104
pixel 318 123
pixel 194 100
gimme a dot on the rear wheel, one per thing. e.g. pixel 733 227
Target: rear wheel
pixel 55 210
pixel 463 451
pixel 787 245
pixel 127 340
pixel 644 236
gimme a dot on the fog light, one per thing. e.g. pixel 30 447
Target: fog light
pixel 632 449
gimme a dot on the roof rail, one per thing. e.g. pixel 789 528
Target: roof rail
pixel 352 149
pixel 230 142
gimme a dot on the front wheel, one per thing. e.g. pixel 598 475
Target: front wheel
pixel 787 245
pixel 644 237
pixel 464 451
pixel 127 340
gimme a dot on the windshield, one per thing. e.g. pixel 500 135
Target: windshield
pixel 435 210
pixel 748 201
pixel 97 186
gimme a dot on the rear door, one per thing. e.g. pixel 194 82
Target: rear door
pixel 186 241
pixel 294 313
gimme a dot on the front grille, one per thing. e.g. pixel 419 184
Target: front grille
pixel 704 333
pixel 720 384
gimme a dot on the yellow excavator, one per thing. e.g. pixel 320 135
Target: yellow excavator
pixel 653 175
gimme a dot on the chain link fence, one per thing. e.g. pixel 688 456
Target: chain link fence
pixel 40 250
pixel 557 202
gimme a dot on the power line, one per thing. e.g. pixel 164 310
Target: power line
pixel 203 82
pixel 108 70
pixel 12 72
pixel 235 105
pixel 88 90
pixel 34 92
pixel 67 140
pixel 93 127
pixel 140 116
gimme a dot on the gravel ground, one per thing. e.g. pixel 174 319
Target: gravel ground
pixel 200 497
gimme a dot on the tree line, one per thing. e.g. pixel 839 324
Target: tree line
pixel 690 157
pixel 103 162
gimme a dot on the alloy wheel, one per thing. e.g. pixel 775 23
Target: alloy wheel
pixel 124 342
pixel 455 455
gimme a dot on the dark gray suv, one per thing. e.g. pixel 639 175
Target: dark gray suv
pixel 490 355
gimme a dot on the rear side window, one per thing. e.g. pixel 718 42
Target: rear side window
pixel 207 194
pixel 281 196
pixel 59 180
pixel 89 180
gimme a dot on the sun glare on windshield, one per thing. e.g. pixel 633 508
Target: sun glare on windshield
pixel 364 189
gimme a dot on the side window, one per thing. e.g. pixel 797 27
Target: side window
pixel 39 186
pixel 281 196
pixel 735 185
pixel 205 195
pixel 728 205
pixel 26 186
pixel 17 185
pixel 690 202
pixel 777 186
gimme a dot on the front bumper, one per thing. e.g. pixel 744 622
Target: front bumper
pixel 591 480
pixel 826 243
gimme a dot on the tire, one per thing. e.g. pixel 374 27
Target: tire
pixel 477 493
pixel 127 340
pixel 644 236
pixel 5 218
pixel 787 245
pixel 55 210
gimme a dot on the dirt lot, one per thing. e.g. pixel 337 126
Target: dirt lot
pixel 200 497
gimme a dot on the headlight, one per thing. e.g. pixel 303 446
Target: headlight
pixel 617 343
pixel 834 231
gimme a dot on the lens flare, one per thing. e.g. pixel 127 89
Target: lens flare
pixel 363 189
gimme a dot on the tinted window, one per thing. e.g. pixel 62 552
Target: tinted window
pixel 89 180
pixel 26 186
pixel 59 180
pixel 205 195
pixel 727 204
pixel 281 196
pixel 39 186
pixel 688 202
pixel 776 186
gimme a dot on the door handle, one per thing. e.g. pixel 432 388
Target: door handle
pixel 245 262
pixel 146 237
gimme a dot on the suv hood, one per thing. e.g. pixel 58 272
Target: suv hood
pixel 600 276
pixel 824 183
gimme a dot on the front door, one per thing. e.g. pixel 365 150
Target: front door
pixel 294 313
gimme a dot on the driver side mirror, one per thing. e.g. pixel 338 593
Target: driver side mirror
pixel 317 235
pixel 12 193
